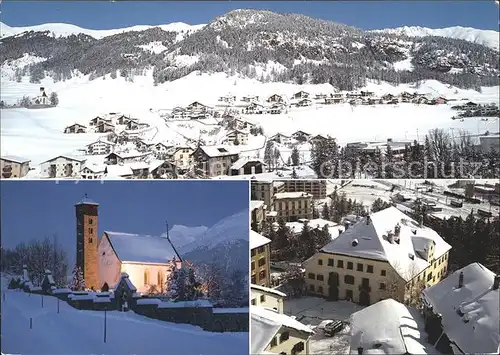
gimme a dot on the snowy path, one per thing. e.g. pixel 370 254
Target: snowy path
pixel 81 332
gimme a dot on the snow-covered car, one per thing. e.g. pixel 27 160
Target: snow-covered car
pixel 333 328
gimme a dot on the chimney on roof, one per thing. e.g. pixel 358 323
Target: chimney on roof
pixel 397 230
pixel 496 282
pixel 461 279
pixel 390 237
pixel 346 225
pixel 360 350
pixel 368 220
pixel 389 140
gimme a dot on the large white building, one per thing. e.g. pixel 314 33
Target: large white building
pixel 100 147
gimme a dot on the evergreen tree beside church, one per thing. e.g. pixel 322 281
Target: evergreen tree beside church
pixel 78 282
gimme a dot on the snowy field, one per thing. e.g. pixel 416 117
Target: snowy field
pixel 37 134
pixel 78 332
pixel 314 310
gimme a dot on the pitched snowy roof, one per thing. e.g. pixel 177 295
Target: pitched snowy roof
pixel 479 304
pixel 257 240
pixel 240 163
pixel 255 204
pixel 263 331
pixel 68 157
pixel 15 159
pixel 370 241
pixel 87 201
pixel 118 170
pixel 268 290
pixel 269 314
pixel 141 248
pixel 400 332
pixel 217 150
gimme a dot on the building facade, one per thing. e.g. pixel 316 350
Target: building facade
pixel 258 210
pixel 292 206
pixel 260 251
pixel 317 188
pixel 384 255
pixel 14 167
pixel 62 167
pixel 267 297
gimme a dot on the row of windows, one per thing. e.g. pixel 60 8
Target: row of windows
pixel 312 288
pixel 262 299
pixel 262 275
pixel 258 250
pixel 294 205
pixel 159 278
pixel 350 266
pixel 297 348
pixel 348 279
pixel 261 262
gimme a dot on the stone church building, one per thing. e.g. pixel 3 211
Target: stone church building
pixel 146 259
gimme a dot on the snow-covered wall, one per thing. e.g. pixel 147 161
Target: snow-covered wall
pixel 109 264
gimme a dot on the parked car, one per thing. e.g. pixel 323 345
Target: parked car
pixel 333 327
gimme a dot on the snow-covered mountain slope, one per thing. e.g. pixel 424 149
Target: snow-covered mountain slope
pixel 65 29
pixel 226 244
pixel 300 49
pixel 487 38
pixel 182 235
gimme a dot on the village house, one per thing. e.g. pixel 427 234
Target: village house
pixel 260 253
pixel 301 95
pixel 42 98
pixel 247 166
pixel 134 125
pixel 241 123
pixel 75 128
pixel 320 96
pixel 276 109
pixel 403 330
pixel 124 120
pixel 160 150
pixel 160 169
pixel 62 167
pixel 267 297
pixel 292 206
pixel 462 312
pixel 301 136
pixel 182 157
pixel 277 333
pixel 384 255
pixel 179 113
pixel 250 98
pixel 227 99
pixel 99 147
pixel 214 160
pixel 318 139
pixel 366 93
pixel 105 127
pixel 120 158
pixel 275 99
pixel 93 171
pixel 254 108
pixel 140 169
pixel 281 138
pixel 237 137
pixel 333 100
pixel 98 120
pixel 304 103
pixel 388 98
pixel 141 145
pixel 258 214
pixel 14 167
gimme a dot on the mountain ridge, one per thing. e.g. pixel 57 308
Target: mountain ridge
pixel 299 48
